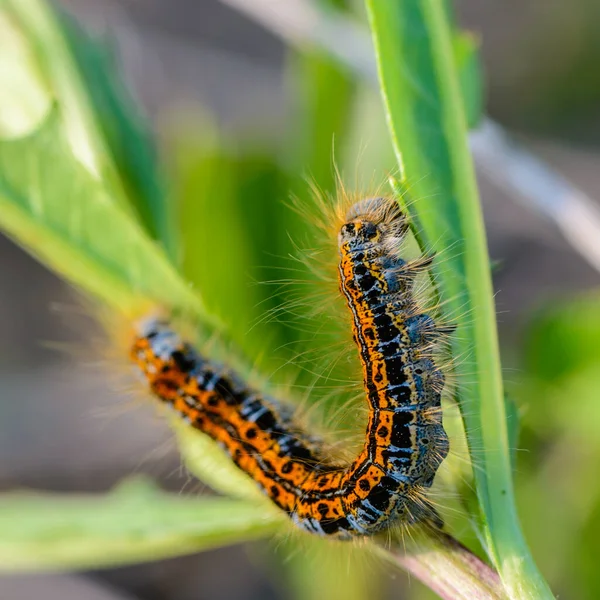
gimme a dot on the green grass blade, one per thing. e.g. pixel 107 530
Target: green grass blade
pixel 466 56
pixel 427 123
pixel 135 523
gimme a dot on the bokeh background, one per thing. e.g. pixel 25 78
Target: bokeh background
pixel 225 98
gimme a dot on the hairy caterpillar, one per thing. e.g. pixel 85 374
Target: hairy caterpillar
pixel 404 441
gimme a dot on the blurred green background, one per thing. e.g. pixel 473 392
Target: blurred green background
pixel 240 117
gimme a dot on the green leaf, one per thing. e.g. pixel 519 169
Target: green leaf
pixel 50 204
pixel 563 339
pixel 124 130
pixel 466 56
pixel 229 209
pixel 25 98
pixel 324 99
pixel 134 523
pixel 513 422
pixel 54 63
pixel 428 125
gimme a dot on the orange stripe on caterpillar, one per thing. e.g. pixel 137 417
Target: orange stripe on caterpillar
pixel 404 440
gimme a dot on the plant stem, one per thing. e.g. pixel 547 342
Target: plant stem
pixel 446 567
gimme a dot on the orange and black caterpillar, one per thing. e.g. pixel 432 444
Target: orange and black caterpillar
pixel 404 440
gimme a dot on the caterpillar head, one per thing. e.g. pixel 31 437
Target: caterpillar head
pixel 371 222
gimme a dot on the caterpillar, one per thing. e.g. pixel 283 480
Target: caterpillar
pixel 404 442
